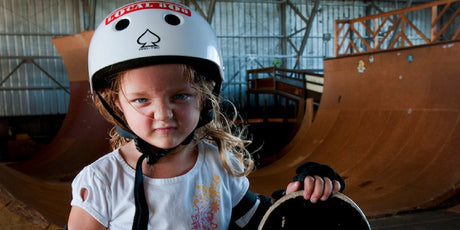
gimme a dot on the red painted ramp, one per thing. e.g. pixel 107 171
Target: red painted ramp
pixel 82 137
pixel 39 189
pixel 389 123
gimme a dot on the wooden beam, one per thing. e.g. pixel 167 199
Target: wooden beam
pixel 211 8
pixel 198 9
pixel 400 11
pixel 452 18
pixel 307 32
pixel 416 29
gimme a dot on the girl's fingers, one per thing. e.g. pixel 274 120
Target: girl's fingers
pixel 309 186
pixel 315 188
pixel 328 188
pixel 318 189
pixel 337 187
pixel 292 187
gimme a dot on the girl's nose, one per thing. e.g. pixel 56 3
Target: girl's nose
pixel 162 111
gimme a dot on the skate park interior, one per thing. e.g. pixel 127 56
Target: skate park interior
pixel 387 118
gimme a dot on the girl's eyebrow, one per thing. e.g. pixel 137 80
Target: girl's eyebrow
pixel 143 92
pixel 133 93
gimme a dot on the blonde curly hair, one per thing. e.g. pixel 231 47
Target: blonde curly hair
pixel 221 131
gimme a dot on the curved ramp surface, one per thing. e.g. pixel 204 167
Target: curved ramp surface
pixel 389 123
pixel 40 187
pixel 39 202
pixel 82 136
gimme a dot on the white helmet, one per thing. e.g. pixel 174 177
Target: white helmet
pixel 152 32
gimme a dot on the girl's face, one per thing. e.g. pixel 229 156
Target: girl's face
pixel 159 104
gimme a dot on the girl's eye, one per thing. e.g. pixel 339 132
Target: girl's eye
pixel 141 100
pixel 181 96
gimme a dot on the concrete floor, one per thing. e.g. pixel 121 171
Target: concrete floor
pixel 10 220
pixel 427 220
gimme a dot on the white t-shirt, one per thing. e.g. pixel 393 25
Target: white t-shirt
pixel 202 198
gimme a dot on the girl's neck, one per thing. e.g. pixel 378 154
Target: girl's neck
pixel 175 163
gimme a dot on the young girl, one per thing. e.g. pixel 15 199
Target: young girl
pixel 177 163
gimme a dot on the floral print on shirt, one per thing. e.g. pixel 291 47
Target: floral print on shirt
pixel 205 205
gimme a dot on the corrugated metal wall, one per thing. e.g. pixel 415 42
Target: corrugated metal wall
pixel 252 34
pixel 33 80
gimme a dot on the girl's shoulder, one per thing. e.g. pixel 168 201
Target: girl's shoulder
pixel 210 152
pixel 106 166
pixel 213 156
pixel 236 185
pixel 105 161
pixel 205 146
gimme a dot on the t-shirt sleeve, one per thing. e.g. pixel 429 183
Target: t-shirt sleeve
pixel 96 202
pixel 239 185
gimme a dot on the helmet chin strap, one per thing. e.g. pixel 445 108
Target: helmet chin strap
pixel 153 154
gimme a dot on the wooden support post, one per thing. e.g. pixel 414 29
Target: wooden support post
pixel 376 33
pixel 434 15
pixel 336 38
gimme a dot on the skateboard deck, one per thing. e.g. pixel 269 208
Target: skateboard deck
pixel 294 212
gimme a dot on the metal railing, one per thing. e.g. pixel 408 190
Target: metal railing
pixel 291 82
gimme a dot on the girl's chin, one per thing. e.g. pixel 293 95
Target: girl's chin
pixel 165 144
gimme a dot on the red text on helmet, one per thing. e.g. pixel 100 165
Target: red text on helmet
pixel 147 5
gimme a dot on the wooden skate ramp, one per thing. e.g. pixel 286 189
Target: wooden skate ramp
pixel 39 189
pixel 82 136
pixel 391 129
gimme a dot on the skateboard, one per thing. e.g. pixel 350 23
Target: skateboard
pixel 294 212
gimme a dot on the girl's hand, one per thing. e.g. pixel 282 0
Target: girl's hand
pixel 315 188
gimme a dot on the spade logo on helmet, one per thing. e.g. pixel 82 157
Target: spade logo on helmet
pixel 148 40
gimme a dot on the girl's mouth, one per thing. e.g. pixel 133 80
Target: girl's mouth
pixel 164 129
